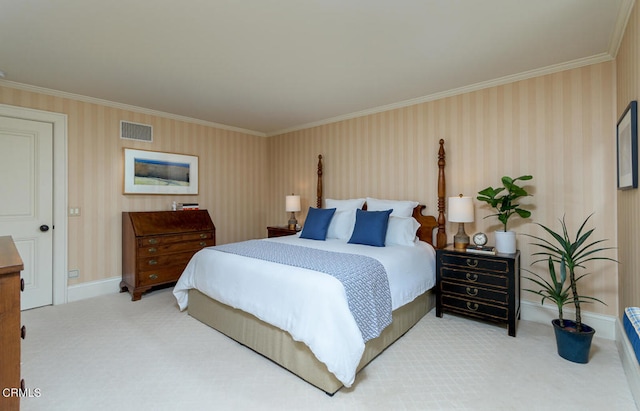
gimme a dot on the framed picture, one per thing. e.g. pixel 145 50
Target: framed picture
pixel 154 172
pixel 627 147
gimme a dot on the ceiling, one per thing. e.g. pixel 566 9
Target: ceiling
pixel 273 66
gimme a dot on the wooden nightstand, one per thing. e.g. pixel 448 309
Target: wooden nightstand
pixel 486 287
pixel 279 231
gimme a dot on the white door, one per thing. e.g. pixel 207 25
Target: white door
pixel 26 202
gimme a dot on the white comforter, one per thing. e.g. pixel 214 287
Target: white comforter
pixel 310 305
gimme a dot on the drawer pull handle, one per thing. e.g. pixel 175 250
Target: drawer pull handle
pixel 472 306
pixel 23 332
pixel 153 276
pixel 22 284
pixel 202 243
pixel 153 241
pixel 203 236
pixel 153 250
pixel 472 291
pixel 153 262
pixel 472 277
pixel 472 263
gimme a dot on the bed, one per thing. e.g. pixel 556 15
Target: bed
pixel 303 319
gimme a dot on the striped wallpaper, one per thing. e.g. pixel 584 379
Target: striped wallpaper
pixel 559 128
pixel 232 177
pixel 628 201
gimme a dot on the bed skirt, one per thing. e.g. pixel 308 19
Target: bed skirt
pixel 278 346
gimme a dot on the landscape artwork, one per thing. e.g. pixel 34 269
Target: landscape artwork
pixel 153 172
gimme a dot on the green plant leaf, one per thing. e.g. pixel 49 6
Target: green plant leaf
pixel 571 255
pixel 503 199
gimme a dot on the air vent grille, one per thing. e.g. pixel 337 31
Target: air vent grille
pixel 135 131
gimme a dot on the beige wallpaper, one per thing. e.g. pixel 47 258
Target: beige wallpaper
pixel 628 201
pixel 232 177
pixel 559 128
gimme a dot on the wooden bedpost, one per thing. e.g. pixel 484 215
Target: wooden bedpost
pixel 319 190
pixel 441 236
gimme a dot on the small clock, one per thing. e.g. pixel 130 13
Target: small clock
pixel 480 239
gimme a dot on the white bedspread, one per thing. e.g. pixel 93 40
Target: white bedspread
pixel 309 305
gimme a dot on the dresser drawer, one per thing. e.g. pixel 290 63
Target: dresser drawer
pixel 475 292
pixel 466 260
pixel 160 276
pixel 475 277
pixel 169 248
pixel 475 308
pixel 167 260
pixel 175 238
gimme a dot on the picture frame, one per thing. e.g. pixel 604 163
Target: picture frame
pixel 627 147
pixel 155 172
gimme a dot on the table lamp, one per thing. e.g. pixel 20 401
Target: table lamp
pixel 461 211
pixel 292 206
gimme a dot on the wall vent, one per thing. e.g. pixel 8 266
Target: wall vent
pixel 135 131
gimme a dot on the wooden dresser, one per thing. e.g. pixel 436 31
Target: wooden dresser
pixel 157 245
pixel 486 287
pixel 10 332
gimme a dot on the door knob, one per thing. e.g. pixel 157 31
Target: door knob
pixel 44 228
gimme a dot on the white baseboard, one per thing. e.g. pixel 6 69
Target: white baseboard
pixel 93 289
pixel 629 361
pixel 604 325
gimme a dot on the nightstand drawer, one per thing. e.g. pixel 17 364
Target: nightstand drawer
pixel 469 261
pixel 475 277
pixel 472 291
pixel 475 308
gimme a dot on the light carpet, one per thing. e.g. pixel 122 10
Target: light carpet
pixel 109 353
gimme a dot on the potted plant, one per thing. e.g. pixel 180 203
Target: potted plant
pixel 573 338
pixel 503 199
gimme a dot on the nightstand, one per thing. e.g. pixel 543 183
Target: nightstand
pixel 279 231
pixel 486 287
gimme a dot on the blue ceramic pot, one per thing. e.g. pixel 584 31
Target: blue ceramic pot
pixel 572 345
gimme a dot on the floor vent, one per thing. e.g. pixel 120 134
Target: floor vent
pixel 135 131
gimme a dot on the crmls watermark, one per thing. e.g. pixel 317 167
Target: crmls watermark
pixel 17 392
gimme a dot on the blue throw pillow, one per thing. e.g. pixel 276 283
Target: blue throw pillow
pixel 317 223
pixel 371 227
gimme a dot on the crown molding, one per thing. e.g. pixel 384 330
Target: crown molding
pixel 599 58
pixel 624 13
pixel 142 110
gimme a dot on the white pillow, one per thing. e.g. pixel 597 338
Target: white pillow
pixel 343 205
pixel 400 208
pixel 402 231
pixel 341 225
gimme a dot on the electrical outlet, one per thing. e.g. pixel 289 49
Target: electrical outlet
pixel 74 212
pixel 74 274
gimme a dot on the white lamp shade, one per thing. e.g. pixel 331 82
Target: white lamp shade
pixel 460 209
pixel 293 203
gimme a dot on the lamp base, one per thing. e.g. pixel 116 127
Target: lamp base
pixel 461 239
pixel 293 223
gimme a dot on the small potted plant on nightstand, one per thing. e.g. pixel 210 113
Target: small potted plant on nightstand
pixel 503 200
pixel 573 338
